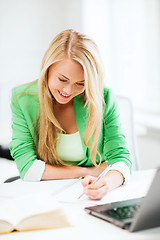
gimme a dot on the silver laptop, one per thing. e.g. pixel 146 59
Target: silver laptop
pixel 136 214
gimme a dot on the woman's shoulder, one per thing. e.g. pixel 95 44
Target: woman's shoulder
pixel 31 87
pixel 25 102
pixel 109 95
pixel 26 94
pixel 110 101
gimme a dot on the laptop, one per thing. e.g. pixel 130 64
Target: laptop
pixel 136 214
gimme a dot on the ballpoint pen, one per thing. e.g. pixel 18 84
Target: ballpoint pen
pixel 100 176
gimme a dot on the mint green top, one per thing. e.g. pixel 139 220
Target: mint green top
pixel 25 111
pixel 69 148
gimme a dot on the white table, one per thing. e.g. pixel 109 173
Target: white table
pixel 84 225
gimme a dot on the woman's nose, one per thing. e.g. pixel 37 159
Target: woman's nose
pixel 68 89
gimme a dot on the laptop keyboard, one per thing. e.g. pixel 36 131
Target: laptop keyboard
pixel 123 212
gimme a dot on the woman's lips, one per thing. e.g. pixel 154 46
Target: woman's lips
pixel 63 95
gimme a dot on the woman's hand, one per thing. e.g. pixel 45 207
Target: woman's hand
pixel 100 188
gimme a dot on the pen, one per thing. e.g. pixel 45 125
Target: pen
pixel 100 176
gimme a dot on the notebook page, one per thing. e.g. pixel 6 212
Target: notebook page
pixel 21 188
pixel 137 187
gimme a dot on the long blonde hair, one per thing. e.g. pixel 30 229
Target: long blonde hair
pixel 82 49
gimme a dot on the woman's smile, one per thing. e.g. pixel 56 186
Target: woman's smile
pixel 63 95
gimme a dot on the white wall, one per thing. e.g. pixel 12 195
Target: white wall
pixel 26 29
pixel 149 149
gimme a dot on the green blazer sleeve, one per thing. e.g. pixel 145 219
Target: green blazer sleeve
pixel 23 107
pixel 114 142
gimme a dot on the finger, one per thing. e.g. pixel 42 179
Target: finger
pixel 98 184
pixel 87 180
pixel 97 194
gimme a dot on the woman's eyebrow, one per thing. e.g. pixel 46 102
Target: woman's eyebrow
pixel 68 78
pixel 64 76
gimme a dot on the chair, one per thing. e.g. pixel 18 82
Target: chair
pixel 5 152
pixel 127 120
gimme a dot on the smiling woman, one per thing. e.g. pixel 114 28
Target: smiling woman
pixel 66 124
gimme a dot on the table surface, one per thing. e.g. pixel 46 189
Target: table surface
pixel 84 226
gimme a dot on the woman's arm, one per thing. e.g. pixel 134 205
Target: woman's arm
pixel 65 172
pixel 24 109
pixel 115 147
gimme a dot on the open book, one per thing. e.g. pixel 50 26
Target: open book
pixel 31 212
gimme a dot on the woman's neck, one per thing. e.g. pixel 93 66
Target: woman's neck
pixel 59 106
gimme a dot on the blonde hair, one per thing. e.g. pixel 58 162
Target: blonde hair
pixel 80 48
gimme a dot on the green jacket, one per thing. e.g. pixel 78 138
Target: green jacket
pixel 25 111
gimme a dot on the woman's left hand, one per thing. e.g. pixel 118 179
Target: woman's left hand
pixel 100 188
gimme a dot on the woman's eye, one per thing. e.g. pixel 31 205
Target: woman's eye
pixel 62 80
pixel 80 84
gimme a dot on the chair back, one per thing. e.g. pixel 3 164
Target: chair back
pixel 125 107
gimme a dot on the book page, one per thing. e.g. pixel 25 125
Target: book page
pixel 5 227
pixel 14 210
pixel 52 219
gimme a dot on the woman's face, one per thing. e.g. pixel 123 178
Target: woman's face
pixel 66 80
